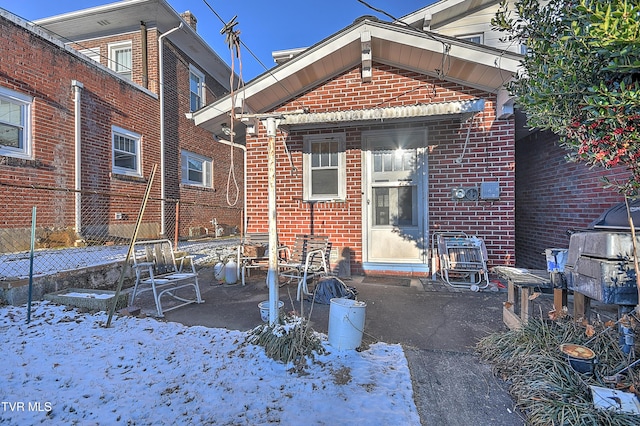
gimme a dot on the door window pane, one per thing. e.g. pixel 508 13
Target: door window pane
pixel 380 206
pixel 395 206
pixel 405 205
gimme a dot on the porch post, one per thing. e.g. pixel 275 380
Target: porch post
pixel 272 274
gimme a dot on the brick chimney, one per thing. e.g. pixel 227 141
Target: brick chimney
pixel 190 19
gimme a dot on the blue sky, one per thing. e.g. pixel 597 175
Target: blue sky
pixel 265 25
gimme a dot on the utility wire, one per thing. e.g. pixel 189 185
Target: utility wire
pixel 254 56
pixel 446 47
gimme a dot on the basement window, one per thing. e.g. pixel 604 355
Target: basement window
pixel 15 124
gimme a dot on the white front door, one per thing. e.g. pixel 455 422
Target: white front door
pixel 394 197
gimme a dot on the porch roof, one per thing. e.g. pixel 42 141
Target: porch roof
pixel 450 59
pixel 370 114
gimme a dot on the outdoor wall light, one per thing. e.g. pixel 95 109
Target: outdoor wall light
pixel 227 130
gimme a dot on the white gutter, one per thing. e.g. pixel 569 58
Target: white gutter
pixel 162 166
pixel 77 127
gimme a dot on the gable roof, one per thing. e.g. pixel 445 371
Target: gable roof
pixel 126 16
pixel 398 45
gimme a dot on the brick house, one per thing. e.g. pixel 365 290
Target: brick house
pixel 379 126
pixel 132 99
pixel 43 84
pixel 552 195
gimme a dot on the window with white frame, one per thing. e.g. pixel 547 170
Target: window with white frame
pixel 120 59
pixel 196 170
pixel 15 124
pixel 93 54
pixel 324 165
pixel 126 152
pixel 474 38
pixel 196 87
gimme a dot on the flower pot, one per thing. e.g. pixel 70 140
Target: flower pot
pixel 580 358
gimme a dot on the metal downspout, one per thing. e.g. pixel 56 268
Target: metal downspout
pixel 77 128
pixel 145 55
pixel 162 135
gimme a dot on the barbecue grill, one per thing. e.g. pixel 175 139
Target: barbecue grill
pixel 600 259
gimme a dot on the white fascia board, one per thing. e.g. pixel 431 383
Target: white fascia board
pixel 223 106
pixel 459 49
pixel 505 61
pixel 91 11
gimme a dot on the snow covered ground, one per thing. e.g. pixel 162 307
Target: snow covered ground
pixel 64 367
pixel 51 261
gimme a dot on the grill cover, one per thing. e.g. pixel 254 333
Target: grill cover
pixel 616 217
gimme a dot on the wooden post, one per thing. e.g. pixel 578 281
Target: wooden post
pixel 131 245
pixel 581 306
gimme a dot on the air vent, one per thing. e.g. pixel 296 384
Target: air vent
pixel 103 23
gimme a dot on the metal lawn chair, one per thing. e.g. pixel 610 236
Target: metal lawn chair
pixel 306 260
pixel 462 259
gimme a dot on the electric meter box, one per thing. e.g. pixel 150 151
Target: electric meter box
pixel 490 191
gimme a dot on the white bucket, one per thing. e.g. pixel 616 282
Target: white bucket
pixel 346 323
pixel 264 309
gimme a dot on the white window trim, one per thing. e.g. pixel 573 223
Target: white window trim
pixel 112 47
pixel 201 87
pixel 25 103
pixel 467 37
pixel 207 169
pixel 93 54
pixel 342 167
pixel 115 130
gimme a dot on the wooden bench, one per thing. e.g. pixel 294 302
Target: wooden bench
pixel 520 284
pixel 307 259
pixel 158 270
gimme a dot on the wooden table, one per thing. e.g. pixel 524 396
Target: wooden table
pixel 520 284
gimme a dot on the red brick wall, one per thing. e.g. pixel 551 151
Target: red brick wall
pixel 198 206
pixel 489 156
pixel 554 196
pixel 224 202
pixel 34 66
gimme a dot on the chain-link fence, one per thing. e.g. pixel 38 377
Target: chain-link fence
pixel 81 229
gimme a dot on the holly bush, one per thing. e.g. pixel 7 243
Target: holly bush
pixel 580 77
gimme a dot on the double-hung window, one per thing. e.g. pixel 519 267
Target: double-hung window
pixel 324 165
pixel 15 124
pixel 126 152
pixel 196 88
pixel 120 59
pixel 196 170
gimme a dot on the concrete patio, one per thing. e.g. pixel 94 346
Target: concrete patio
pixel 437 325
